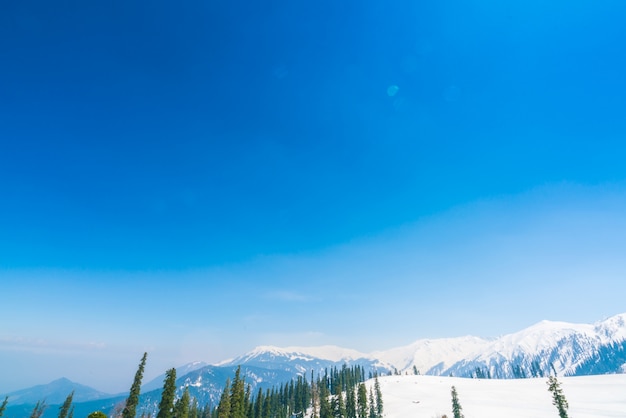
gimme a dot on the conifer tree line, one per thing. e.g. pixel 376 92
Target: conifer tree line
pixel 338 393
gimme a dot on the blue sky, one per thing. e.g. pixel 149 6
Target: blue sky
pixel 196 180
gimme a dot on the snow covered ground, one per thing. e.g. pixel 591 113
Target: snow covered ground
pixel 429 396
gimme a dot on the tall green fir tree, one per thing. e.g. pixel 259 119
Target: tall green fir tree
pixel 38 410
pixel 65 409
pixel 3 407
pixel 372 403
pixel 456 405
pixel 194 410
pixel 223 408
pixel 361 401
pixel 558 398
pixel 351 402
pixel 181 407
pixel 166 406
pixel 325 409
pixel 237 396
pixel 337 404
pixel 379 398
pixel 133 398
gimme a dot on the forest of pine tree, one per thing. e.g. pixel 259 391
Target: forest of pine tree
pixel 337 393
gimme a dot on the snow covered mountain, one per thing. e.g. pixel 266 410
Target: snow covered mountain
pixel 304 360
pixel 567 349
pixel 561 347
pixel 157 382
pixel 546 347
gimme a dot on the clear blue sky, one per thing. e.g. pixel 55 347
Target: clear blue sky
pixel 194 180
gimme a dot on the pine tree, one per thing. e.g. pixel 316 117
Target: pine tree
pixel 181 408
pixel 558 399
pixel 372 402
pixel 237 396
pixel 258 404
pixel 97 414
pixel 223 409
pixel 325 409
pixel 65 408
pixel 456 406
pixel 248 402
pixel 337 405
pixel 351 402
pixel 314 398
pixel 38 409
pixel 3 407
pixel 133 398
pixel 361 401
pixel 194 410
pixel 166 406
pixel 379 398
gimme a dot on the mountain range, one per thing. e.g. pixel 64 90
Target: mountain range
pixel 547 347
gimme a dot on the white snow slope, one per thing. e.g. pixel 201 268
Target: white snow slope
pixel 601 396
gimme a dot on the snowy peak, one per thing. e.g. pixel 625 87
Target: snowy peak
pixel 331 353
pixel 304 360
pixel 548 346
pixel 538 350
pixel 427 354
pixel 613 328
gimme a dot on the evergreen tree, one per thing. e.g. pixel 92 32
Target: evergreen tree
pixel 558 399
pixel 237 397
pixel 38 409
pixel 372 402
pixel 379 398
pixel 456 406
pixel 97 414
pixel 267 405
pixel 3 407
pixel 325 409
pixel 65 408
pixel 337 405
pixel 223 409
pixel 166 406
pixel 248 402
pixel 361 401
pixel 181 407
pixel 258 404
pixel 314 398
pixel 133 398
pixel 193 410
pixel 351 402
pixel 71 415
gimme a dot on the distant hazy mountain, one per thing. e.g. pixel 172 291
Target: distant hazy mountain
pixel 546 347
pixel 55 393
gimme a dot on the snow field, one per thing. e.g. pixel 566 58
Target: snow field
pixel 413 396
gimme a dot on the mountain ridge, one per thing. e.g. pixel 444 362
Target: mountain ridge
pixel 567 349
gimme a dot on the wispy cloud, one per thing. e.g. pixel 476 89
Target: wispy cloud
pixel 19 343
